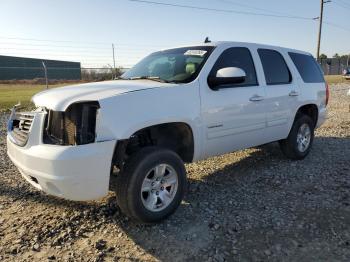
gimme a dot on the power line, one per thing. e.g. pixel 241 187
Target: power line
pixel 336 26
pixel 17 46
pixel 37 49
pixel 65 46
pixel 66 53
pixel 87 49
pixel 345 2
pixel 234 11
pixel 59 68
pixel 253 7
pixel 54 41
pixel 320 18
pixel 342 2
pixel 83 60
pixel 342 5
pixel 71 41
pixel 77 52
pixel 52 54
pixel 221 10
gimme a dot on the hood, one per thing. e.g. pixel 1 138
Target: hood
pixel 60 98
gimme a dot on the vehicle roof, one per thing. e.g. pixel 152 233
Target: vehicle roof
pixel 247 44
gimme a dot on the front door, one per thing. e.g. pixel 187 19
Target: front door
pixel 233 115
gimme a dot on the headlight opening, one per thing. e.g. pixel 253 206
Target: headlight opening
pixel 75 126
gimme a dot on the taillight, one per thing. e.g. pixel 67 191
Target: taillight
pixel 327 93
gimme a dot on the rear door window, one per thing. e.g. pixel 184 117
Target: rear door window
pixel 307 67
pixel 275 68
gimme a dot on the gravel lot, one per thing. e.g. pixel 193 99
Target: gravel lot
pixel 252 205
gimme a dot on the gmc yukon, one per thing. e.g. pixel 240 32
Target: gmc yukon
pixel 175 106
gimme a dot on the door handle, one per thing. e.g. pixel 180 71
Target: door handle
pixel 293 93
pixel 256 98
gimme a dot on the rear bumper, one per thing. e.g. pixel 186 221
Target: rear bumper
pixel 72 172
pixel 322 116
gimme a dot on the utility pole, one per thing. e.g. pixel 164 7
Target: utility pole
pixel 113 72
pixel 320 28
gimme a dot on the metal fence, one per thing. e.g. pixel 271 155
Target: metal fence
pixel 12 67
pixel 334 66
pixel 330 66
pixel 13 73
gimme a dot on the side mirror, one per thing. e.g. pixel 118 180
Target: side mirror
pixel 226 76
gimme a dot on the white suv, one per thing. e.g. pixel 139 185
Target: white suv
pixel 178 105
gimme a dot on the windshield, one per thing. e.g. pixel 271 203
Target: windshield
pixel 179 65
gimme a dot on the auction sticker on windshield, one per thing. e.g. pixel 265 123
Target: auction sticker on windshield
pixel 195 52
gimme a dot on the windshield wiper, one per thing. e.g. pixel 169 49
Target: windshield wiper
pixel 119 78
pixel 153 78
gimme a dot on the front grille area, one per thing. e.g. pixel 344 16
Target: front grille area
pixel 21 126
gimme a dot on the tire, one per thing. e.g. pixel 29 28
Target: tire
pixel 133 190
pixel 290 146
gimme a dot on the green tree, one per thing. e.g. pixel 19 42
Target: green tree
pixel 323 56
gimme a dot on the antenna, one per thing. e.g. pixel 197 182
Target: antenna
pixel 207 40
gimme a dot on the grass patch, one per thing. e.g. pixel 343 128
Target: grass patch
pixel 11 94
pixel 336 79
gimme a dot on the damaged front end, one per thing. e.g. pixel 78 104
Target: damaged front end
pixel 75 126
pixel 57 151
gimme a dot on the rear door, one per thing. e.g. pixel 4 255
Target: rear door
pixel 281 93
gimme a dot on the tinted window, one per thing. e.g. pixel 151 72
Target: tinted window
pixel 275 68
pixel 237 57
pixel 308 68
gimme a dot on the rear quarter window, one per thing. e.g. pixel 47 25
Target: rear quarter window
pixel 307 67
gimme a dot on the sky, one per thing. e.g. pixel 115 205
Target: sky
pixel 84 30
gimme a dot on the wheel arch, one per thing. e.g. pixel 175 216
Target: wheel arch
pixel 310 110
pixel 176 136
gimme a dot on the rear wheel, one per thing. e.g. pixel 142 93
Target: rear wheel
pixel 299 141
pixel 151 185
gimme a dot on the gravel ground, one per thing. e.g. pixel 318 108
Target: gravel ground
pixel 251 205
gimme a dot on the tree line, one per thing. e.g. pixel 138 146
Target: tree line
pixel 336 55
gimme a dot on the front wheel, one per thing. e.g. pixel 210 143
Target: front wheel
pixel 299 141
pixel 151 185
